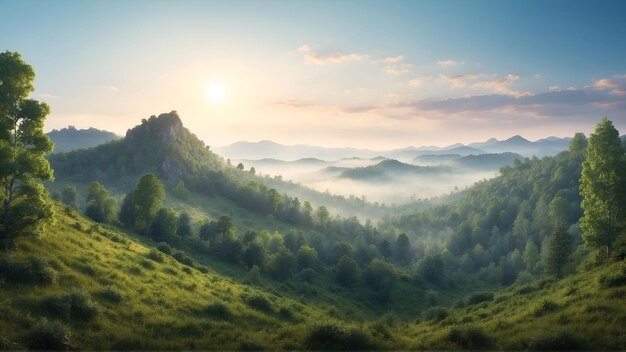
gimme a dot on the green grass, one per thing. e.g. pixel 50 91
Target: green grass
pixel 95 287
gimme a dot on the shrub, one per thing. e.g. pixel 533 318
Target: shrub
pixel 155 255
pixel 612 280
pixel 76 305
pixel 472 338
pixel 286 313
pixel 480 297
pixel 307 275
pixel 331 337
pixel 50 336
pixel 544 307
pixel 165 248
pixel 556 341
pixel 435 313
pixel 218 310
pixel 258 302
pixel 33 271
pixel 112 295
pixel 183 258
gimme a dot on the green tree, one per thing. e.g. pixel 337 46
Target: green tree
pixel 183 225
pixel 26 207
pixel 381 277
pixel 253 255
pixel 559 252
pixel 69 196
pixel 531 256
pixel 281 264
pixel 347 271
pixel 163 228
pixel 100 207
pixel 148 199
pixel 181 190
pixel 603 186
pixel 306 257
pixel 403 249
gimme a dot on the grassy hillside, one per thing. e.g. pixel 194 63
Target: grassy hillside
pixel 88 286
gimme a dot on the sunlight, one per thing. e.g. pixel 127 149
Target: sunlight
pixel 216 92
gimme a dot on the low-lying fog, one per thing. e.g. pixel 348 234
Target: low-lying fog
pixel 378 179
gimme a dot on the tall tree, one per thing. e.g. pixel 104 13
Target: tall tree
pixel 148 199
pixel 100 207
pixel 26 207
pixel 183 225
pixel 603 187
pixel 69 195
pixel 559 252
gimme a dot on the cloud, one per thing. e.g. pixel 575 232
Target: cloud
pixel 293 103
pixel 460 81
pixel 448 63
pixel 312 57
pixel 502 85
pixel 397 69
pixel 393 59
pixel 607 84
pixel 304 48
pixel 554 88
pixel 604 84
pixel 419 81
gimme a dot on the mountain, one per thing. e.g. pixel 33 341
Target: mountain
pixel 517 144
pixel 68 139
pixel 269 149
pixel 431 160
pixel 390 168
pixel 487 161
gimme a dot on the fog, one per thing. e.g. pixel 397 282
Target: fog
pixel 390 186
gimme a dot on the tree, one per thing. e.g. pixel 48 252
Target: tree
pixel 531 256
pixel 100 207
pixel 347 271
pixel 26 207
pixel 240 167
pixel 306 257
pixel 163 228
pixel 431 268
pixel 253 254
pixel 603 188
pixel 183 225
pixel 559 252
pixel 148 199
pixel 403 249
pixel 281 264
pixel 181 190
pixel 381 277
pixel 385 249
pixel 69 195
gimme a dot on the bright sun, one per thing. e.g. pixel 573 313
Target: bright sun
pixel 216 92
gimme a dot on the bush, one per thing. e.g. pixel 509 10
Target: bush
pixel 156 256
pixel 33 271
pixel 612 280
pixel 480 297
pixel 112 295
pixel 50 336
pixel 218 310
pixel 307 275
pixel 435 313
pixel 544 307
pixel 472 338
pixel 258 302
pixel 183 258
pixel 331 337
pixel 165 248
pixel 556 341
pixel 77 306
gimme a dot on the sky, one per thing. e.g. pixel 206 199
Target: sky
pixel 369 74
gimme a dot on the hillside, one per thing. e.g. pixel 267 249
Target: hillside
pixel 91 287
pixel 70 138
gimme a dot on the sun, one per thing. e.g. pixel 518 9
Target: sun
pixel 216 92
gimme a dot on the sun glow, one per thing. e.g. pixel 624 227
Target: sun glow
pixel 216 92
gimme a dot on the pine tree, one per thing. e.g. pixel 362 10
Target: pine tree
pixel 603 186
pixel 559 252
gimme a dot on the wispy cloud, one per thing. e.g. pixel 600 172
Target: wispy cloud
pixel 461 81
pixel 611 85
pixel 315 58
pixel 393 59
pixel 419 81
pixel 502 85
pixel 449 62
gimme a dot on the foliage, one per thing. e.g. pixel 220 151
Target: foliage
pixel 69 196
pixel 32 271
pixel 480 297
pixel 51 336
pixel 100 206
pixel 603 188
pixel 333 337
pixel 471 338
pixel 25 207
pixel 78 306
pixel 559 252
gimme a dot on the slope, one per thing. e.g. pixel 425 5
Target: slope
pixel 68 139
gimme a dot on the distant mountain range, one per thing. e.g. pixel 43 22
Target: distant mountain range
pixel 516 144
pixel 70 138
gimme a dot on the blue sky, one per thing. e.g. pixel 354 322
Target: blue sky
pixel 376 74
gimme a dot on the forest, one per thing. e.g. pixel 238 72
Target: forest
pixel 153 241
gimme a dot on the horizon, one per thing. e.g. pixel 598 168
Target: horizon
pixel 350 74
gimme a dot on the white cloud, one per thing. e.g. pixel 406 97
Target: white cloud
pixel 312 57
pixel 460 81
pixel 604 83
pixel 397 69
pixel 448 62
pixel 419 81
pixel 304 48
pixel 553 88
pixel 393 59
